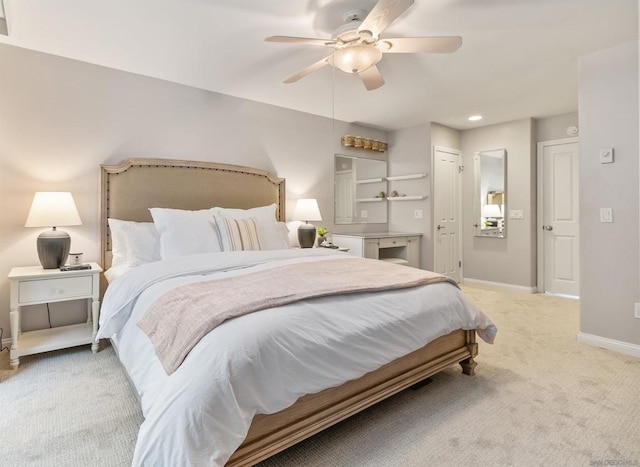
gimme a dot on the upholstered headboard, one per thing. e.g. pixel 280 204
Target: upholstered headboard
pixel 129 189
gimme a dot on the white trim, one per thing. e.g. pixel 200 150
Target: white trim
pixel 540 207
pixel 561 295
pixel 609 344
pixel 499 285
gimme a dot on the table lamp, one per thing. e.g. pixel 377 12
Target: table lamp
pixel 491 212
pixel 53 209
pixel 307 210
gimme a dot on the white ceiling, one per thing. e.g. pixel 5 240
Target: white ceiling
pixel 519 58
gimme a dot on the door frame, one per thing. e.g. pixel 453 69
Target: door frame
pixel 432 194
pixel 540 205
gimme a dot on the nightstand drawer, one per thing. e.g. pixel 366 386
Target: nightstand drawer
pixel 55 289
pixel 393 242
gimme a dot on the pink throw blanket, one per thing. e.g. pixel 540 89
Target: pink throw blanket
pixel 177 321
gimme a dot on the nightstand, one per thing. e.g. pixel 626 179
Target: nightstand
pixel 33 285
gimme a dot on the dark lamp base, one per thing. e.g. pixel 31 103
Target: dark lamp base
pixel 53 248
pixel 306 235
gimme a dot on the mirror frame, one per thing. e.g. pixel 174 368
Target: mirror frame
pixel 349 188
pixel 481 227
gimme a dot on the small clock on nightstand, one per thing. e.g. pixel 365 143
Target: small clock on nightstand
pixel 33 285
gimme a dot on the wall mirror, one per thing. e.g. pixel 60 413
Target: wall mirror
pixel 360 190
pixel 489 171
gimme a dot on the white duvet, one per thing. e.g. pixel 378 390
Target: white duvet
pixel 262 362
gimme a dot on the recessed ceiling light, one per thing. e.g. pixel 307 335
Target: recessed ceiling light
pixel 475 118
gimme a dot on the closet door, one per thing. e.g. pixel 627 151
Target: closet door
pixel 447 213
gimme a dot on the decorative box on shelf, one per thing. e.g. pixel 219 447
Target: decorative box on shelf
pixel 359 142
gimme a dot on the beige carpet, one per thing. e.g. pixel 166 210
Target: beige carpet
pixel 539 398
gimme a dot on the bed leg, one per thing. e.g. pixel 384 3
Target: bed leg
pixel 468 366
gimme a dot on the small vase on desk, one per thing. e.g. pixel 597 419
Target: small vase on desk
pixel 321 239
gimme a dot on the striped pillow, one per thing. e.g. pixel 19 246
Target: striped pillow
pixel 242 233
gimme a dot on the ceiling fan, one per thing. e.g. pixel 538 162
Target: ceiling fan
pixel 359 47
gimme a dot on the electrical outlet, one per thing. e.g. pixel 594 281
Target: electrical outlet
pixel 417 214
pixel 637 311
pixel 364 214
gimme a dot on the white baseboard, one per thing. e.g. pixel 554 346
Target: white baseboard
pixel 609 344
pixel 500 285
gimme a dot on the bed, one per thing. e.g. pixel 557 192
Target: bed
pixel 263 381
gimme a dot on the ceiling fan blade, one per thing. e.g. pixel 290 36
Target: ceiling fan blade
pixel 382 15
pixel 410 45
pixel 300 40
pixel 308 70
pixel 371 78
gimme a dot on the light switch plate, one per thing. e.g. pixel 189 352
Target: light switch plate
pixel 516 214
pixel 606 156
pixel 606 215
pixel 417 214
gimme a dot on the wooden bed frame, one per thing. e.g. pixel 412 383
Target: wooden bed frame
pixel 130 188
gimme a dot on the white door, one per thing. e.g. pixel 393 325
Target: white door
pixel 446 213
pixel 558 221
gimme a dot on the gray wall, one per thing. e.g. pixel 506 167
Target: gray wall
pixel 60 119
pixel 491 137
pixel 445 137
pixel 510 260
pixel 609 252
pixel 553 128
pixel 412 154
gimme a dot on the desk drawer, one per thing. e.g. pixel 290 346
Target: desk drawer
pixel 55 289
pixel 391 242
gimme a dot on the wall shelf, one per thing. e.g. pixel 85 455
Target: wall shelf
pixel 406 177
pixel 406 198
pixel 369 180
pixel 369 200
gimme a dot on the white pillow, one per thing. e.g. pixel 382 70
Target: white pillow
pixel 283 230
pixel 270 230
pixel 185 232
pixel 133 243
pixel 114 272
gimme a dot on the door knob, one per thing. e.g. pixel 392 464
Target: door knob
pixel 547 227
pixel 440 227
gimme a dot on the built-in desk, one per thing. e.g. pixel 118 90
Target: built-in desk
pixel 394 247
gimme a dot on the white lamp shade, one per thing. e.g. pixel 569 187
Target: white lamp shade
pixel 491 210
pixel 307 210
pixel 53 209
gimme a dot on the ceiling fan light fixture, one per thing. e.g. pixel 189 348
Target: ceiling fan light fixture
pixel 355 58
